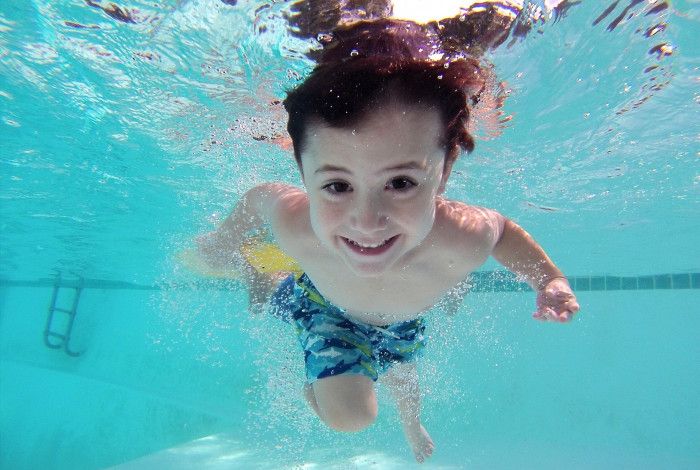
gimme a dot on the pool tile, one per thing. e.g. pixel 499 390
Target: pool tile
pixel 645 282
pixel 597 283
pixel 583 283
pixel 681 281
pixel 662 281
pixel 695 280
pixel 612 283
pixel 481 281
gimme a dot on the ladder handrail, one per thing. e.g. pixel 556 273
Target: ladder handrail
pixel 65 337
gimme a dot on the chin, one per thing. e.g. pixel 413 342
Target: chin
pixel 371 266
pixel 363 270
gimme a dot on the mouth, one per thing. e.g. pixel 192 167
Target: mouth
pixel 370 249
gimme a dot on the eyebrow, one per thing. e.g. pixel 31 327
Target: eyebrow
pixel 412 165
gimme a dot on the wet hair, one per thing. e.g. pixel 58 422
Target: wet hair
pixel 367 64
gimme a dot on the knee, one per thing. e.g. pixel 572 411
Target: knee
pixel 350 418
pixel 346 402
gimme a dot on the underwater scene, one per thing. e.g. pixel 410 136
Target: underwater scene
pixel 135 334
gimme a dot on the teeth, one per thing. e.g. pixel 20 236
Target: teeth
pixel 361 245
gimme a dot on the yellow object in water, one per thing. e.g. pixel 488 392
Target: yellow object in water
pixel 268 258
pixel 264 256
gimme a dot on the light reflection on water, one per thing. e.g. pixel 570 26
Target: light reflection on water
pixel 111 116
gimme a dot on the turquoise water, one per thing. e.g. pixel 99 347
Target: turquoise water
pixel 121 141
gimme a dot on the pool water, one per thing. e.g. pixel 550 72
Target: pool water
pixel 122 140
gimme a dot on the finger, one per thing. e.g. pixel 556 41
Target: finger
pixel 553 312
pixel 563 294
pixel 564 316
pixel 564 305
pixel 545 314
pixel 573 306
pixel 570 308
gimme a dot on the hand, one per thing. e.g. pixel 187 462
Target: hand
pixel 556 301
pixel 209 248
pixel 260 288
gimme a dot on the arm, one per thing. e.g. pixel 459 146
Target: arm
pixel 521 254
pixel 222 247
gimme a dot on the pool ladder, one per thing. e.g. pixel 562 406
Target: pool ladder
pixel 52 338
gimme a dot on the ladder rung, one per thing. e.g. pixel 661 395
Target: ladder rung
pixel 55 340
pixel 59 309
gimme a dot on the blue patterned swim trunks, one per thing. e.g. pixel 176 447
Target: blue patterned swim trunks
pixel 335 344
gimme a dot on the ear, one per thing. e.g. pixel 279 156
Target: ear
pixel 446 170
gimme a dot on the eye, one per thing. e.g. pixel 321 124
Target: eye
pixel 337 187
pixel 401 183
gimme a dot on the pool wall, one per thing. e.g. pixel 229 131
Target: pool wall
pixel 615 389
pixel 130 392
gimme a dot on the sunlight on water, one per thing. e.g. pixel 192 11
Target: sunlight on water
pixel 178 103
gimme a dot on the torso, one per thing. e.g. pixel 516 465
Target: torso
pixel 461 240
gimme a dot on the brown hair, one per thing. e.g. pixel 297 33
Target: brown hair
pixel 366 62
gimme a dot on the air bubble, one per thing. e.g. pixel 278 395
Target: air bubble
pixel 354 53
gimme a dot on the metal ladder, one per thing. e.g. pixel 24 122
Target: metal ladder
pixel 54 339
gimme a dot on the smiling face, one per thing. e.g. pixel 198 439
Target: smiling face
pixel 372 188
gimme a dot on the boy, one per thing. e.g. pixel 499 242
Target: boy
pixel 375 133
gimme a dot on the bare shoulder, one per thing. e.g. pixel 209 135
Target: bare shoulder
pixel 466 224
pixel 273 199
pixel 288 202
pixel 289 212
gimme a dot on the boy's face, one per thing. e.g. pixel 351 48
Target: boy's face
pixel 372 188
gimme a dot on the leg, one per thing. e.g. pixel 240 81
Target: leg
pixel 340 352
pixel 402 380
pixel 308 392
pixel 345 403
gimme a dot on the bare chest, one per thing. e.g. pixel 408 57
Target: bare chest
pixel 391 298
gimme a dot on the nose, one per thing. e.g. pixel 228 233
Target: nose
pixel 369 214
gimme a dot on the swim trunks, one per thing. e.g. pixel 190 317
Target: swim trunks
pixel 335 344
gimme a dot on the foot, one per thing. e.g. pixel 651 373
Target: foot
pixel 419 440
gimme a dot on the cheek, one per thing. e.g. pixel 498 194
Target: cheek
pixel 324 217
pixel 427 215
pixel 420 213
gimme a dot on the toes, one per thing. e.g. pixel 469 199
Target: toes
pixel 424 453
